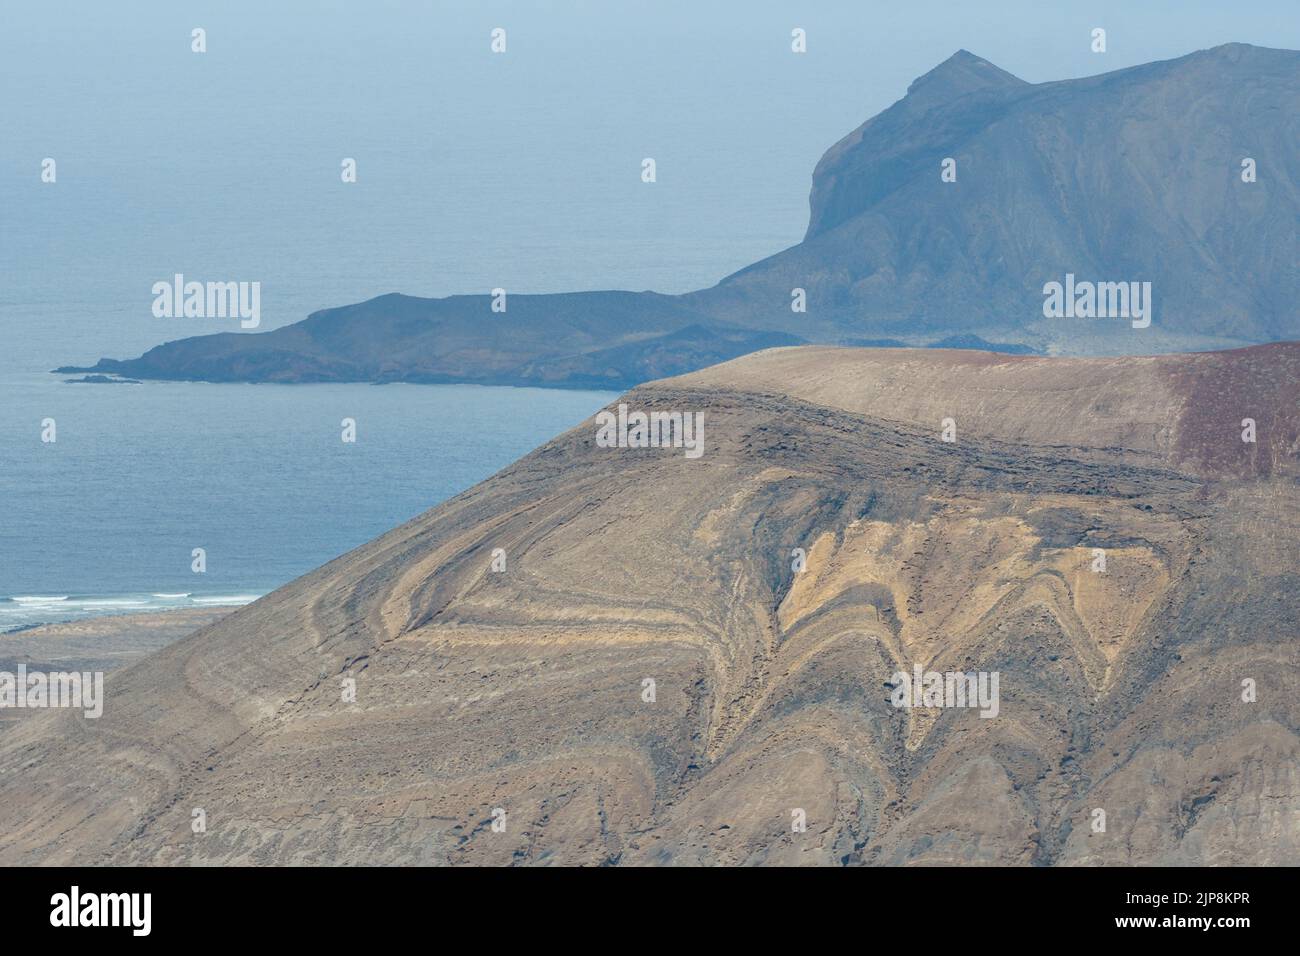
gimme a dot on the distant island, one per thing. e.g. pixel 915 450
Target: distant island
pixel 937 223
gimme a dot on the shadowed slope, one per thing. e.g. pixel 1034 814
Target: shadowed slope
pixel 1133 175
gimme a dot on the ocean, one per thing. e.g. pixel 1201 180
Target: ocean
pixel 106 518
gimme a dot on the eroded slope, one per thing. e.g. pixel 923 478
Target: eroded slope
pixel 524 689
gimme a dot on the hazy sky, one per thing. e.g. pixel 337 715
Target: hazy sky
pixel 475 170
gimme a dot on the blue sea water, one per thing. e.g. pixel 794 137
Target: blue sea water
pixel 105 519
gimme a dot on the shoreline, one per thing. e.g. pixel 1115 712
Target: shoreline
pixel 22 614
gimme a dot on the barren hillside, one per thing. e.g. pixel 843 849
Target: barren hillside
pixel 524 689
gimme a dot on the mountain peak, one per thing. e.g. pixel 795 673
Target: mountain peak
pixel 961 73
pixel 1245 53
pixel 1236 49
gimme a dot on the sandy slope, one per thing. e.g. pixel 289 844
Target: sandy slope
pixel 96 644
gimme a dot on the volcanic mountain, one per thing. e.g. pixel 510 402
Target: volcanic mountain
pixel 627 655
pixel 1133 176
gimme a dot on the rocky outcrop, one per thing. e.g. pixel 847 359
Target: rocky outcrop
pixel 1134 175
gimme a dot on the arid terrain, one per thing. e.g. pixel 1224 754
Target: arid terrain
pixel 524 690
pixel 96 644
